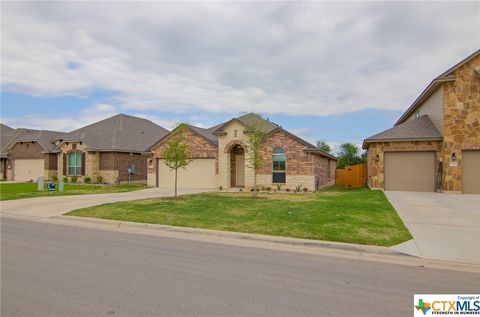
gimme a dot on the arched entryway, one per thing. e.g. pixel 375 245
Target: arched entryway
pixel 237 166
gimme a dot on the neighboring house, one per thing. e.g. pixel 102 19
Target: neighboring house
pixel 115 149
pixel 435 145
pixel 220 158
pixel 30 155
pixel 6 135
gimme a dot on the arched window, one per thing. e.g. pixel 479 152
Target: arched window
pixel 279 166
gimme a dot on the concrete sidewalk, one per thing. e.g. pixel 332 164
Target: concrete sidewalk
pixel 45 207
pixel 443 226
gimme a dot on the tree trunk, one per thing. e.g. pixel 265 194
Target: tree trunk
pixel 176 183
pixel 254 183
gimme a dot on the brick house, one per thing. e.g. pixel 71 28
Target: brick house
pixel 109 148
pixel 435 145
pixel 220 158
pixel 114 148
pixel 6 136
pixel 30 154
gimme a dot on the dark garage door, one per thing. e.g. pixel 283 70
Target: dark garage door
pixel 471 172
pixel 410 171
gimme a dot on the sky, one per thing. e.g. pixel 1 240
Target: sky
pixel 333 71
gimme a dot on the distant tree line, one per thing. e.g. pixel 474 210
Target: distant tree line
pixel 348 153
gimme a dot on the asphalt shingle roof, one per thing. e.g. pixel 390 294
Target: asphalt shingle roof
pixel 119 133
pixel 6 135
pixel 420 128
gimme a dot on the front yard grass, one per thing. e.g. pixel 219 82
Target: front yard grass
pixel 10 191
pixel 335 214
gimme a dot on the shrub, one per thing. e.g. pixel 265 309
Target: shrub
pixel 220 188
pixel 73 179
pixel 263 188
pixel 99 179
pixel 298 188
pixel 65 179
pixel 268 188
pixel 279 187
pixel 287 189
pixel 54 178
pixel 87 179
pixel 305 189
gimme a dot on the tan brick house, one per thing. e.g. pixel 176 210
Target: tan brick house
pixel 220 158
pixel 435 145
pixel 31 154
pixel 115 149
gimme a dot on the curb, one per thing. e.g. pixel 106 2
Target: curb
pixel 241 236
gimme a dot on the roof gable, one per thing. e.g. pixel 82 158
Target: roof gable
pixel 444 77
pixel 247 120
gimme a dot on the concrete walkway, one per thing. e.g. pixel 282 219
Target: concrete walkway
pixel 55 206
pixel 443 226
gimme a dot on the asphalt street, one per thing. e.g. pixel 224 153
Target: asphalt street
pixel 55 270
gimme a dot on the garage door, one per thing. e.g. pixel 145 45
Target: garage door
pixel 410 171
pixel 471 172
pixel 26 170
pixel 200 173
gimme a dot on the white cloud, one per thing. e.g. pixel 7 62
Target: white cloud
pixel 314 58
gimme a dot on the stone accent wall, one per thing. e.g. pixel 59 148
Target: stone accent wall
pixel 376 169
pixel 462 121
pixel 61 160
pixel 199 148
pixel 50 166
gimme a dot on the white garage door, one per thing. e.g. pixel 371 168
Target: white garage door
pixel 200 173
pixel 410 171
pixel 26 170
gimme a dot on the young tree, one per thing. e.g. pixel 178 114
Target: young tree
pixel 177 153
pixel 348 155
pixel 322 145
pixel 256 138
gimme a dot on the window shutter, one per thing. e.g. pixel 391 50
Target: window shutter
pixel 83 164
pixel 64 164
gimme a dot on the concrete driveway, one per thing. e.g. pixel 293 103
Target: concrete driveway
pixel 45 207
pixel 443 226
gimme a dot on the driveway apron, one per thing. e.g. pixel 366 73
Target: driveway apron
pixel 443 226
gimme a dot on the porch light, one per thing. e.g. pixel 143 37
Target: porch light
pixel 454 157
pixel 377 157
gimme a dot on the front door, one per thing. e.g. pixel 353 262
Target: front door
pixel 240 170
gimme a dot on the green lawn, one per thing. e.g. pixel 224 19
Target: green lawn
pixel 334 214
pixel 27 190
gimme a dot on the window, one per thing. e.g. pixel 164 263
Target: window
pixel 75 163
pixel 278 167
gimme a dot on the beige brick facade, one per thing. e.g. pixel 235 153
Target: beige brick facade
pixel 199 147
pixel 376 169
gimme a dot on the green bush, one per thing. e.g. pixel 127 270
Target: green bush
pixel 279 187
pixel 99 179
pixel 268 188
pixel 305 189
pixel 54 178
pixel 87 180
pixel 73 179
pixel 65 179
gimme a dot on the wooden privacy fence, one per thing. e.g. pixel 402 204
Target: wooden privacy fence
pixel 352 176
